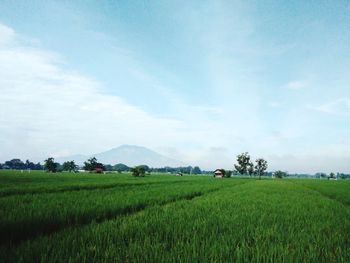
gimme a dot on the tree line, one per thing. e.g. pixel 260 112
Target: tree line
pixel 92 165
pixel 20 165
pixel 244 166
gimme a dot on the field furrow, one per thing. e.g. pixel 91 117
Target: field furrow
pixel 14 186
pixel 49 213
pixel 336 190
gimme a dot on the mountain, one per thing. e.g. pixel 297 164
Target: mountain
pixel 130 155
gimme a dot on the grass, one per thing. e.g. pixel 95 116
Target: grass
pixel 338 190
pixel 173 219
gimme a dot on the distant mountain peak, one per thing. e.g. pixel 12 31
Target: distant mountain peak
pixel 130 155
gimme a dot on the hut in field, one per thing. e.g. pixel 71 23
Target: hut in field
pixel 98 170
pixel 179 174
pixel 219 173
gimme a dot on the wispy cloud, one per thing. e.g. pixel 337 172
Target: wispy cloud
pixel 49 110
pixel 7 35
pixel 296 85
pixel 339 106
pixel 274 104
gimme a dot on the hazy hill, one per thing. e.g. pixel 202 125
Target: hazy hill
pixel 130 155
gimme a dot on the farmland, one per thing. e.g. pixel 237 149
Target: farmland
pixel 80 217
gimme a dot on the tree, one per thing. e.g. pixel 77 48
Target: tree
pixel 243 160
pixel 228 174
pixel 50 165
pixel 186 170
pixel 120 167
pixel 251 169
pixel 145 167
pixel 108 167
pixel 138 171
pixel 279 174
pixel 15 164
pixel 341 175
pixel 321 175
pixel 69 166
pixel 332 176
pixel 29 165
pixel 196 170
pixel 260 167
pixel 38 166
pixel 92 164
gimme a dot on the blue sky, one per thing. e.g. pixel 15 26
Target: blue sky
pixel 199 81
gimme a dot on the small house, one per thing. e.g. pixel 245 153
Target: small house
pixel 98 170
pixel 219 173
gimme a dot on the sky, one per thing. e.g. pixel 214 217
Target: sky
pixel 198 81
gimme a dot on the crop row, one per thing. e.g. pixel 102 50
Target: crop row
pixel 17 183
pixel 337 190
pixel 27 216
pixel 260 221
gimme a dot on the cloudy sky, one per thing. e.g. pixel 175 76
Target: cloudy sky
pixel 199 81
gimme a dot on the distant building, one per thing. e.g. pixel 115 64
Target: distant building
pixel 98 170
pixel 332 178
pixel 179 174
pixel 219 173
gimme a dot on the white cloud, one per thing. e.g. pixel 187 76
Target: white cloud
pixel 296 85
pixel 46 109
pixel 339 106
pixel 274 104
pixel 7 35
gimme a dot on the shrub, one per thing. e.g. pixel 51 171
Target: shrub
pixel 138 171
pixel 228 174
pixel 279 174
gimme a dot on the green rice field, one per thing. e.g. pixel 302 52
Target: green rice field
pixel 67 217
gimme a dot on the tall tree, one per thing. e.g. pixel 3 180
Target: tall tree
pixel 243 161
pixel 92 164
pixel 251 169
pixel 260 167
pixel 50 165
pixel 69 166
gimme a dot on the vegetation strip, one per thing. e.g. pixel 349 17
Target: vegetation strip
pixel 77 188
pixel 336 195
pixel 260 221
pixel 122 212
pixel 15 232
